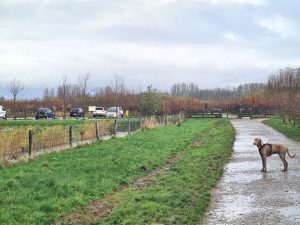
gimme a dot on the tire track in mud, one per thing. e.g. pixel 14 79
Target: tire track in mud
pixel 103 208
pixel 100 209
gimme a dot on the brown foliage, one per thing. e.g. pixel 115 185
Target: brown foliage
pixel 280 95
pixel 13 142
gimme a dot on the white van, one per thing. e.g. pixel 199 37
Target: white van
pixel 2 112
pixel 100 111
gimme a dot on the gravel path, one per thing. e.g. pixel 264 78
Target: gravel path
pixel 245 195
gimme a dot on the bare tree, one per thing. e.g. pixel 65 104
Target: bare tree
pixel 117 86
pixel 64 93
pixel 49 94
pixel 15 87
pixel 83 86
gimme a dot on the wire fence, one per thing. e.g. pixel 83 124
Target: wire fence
pixel 17 142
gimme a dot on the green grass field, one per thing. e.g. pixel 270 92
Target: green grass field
pixel 289 130
pixel 55 122
pixel 40 191
pixel 41 123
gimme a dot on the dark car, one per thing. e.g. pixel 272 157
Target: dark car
pixel 45 113
pixel 76 112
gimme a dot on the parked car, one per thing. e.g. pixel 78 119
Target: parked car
pixel 100 111
pixel 45 113
pixel 115 112
pixel 2 112
pixel 76 112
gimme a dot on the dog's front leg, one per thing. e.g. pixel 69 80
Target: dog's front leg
pixel 264 164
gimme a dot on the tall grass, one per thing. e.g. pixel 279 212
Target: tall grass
pixel 47 137
pixel 14 140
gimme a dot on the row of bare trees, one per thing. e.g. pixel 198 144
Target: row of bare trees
pixel 283 88
pixel 193 90
pixel 68 95
pixel 281 94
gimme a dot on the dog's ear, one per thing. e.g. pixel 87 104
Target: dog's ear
pixel 259 141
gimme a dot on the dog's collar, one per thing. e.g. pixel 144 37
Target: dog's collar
pixel 261 147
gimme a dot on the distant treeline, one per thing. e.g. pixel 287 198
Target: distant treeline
pixel 193 90
pixel 280 95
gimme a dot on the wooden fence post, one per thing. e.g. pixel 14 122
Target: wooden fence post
pixel 128 127
pixel 141 124
pixel 116 126
pixel 30 137
pixel 70 135
pixel 97 131
pixel 25 112
pixel 294 122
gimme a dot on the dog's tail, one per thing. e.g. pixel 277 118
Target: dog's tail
pixel 289 154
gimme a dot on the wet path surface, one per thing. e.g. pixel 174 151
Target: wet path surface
pixel 245 195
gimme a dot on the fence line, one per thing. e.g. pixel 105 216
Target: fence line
pixel 24 142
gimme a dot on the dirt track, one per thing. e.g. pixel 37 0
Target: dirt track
pixel 245 195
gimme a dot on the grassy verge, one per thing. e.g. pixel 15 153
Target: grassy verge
pixel 55 122
pixel 182 195
pixel 40 191
pixel 289 130
pixel 41 123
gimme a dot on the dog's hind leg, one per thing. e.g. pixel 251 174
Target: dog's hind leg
pixel 285 163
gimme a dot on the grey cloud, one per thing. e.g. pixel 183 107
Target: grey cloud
pixel 210 42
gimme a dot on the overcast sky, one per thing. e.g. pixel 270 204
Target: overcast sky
pixel 215 43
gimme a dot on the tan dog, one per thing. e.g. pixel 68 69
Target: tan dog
pixel 266 150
